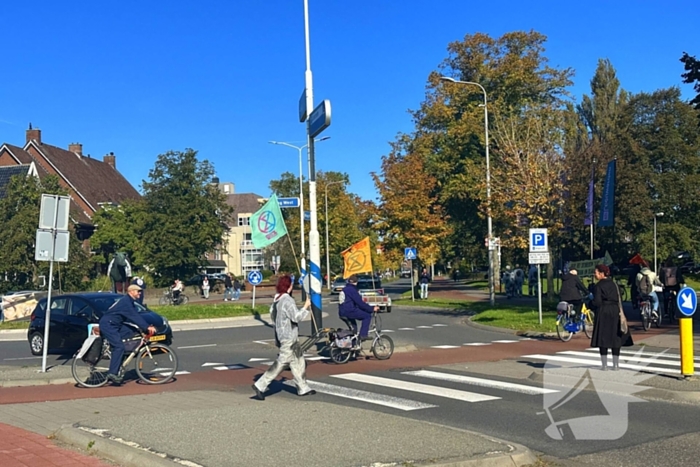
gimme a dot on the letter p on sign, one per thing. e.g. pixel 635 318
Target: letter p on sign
pixel 538 240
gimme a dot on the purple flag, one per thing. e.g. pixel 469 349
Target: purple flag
pixel 589 203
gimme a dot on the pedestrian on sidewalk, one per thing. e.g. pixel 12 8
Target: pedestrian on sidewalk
pixel 205 287
pixel 607 332
pixel 228 287
pixel 424 281
pixel 236 289
pixel 533 280
pixel 286 317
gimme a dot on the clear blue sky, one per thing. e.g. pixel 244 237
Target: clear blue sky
pixel 224 76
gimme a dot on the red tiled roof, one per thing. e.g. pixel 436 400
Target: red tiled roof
pixel 20 154
pixel 93 179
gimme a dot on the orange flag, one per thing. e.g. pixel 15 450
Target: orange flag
pixel 357 258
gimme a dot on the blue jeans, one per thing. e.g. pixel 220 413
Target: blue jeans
pixel 424 290
pixel 228 293
pixel 654 301
pixel 236 294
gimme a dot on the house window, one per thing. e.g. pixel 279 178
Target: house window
pixel 217 254
pixel 243 220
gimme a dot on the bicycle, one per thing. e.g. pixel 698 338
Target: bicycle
pixel 156 363
pixel 670 305
pixel 622 289
pixel 647 315
pixel 567 325
pixel 168 298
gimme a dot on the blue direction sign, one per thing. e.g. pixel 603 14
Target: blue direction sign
pixel 307 215
pixel 320 118
pixel 410 253
pixel 255 277
pixel 288 202
pixel 687 301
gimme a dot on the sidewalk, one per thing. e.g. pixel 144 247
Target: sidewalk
pixel 229 429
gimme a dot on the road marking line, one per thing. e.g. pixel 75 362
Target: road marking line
pixel 406 329
pixel 477 343
pixel 258 359
pixel 505 341
pixel 591 362
pixel 269 363
pixel 166 373
pixel 445 346
pixel 212 364
pixel 424 327
pixel 649 354
pixel 196 346
pixel 229 367
pixel 366 396
pixel 640 359
pixel 387 330
pixel 440 325
pixel 487 383
pixel 264 342
pixel 317 358
pixel 417 387
pixel 22 358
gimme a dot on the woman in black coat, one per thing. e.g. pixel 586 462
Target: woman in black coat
pixel 606 332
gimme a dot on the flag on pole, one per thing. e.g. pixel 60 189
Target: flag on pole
pixel 589 202
pixel 267 224
pixel 357 258
pixel 607 208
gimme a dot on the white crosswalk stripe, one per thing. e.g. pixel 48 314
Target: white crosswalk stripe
pixel 488 383
pixel 651 362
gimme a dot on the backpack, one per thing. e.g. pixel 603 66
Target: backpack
pixel 645 285
pixel 94 353
pixel 120 259
pixel 670 279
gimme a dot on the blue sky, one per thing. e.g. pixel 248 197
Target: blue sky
pixel 224 77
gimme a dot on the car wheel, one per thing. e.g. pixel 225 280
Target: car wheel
pixel 36 344
pixel 388 309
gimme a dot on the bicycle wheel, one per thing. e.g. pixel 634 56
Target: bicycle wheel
pixel 587 328
pixel 562 333
pixel 646 316
pixel 184 299
pixel 88 375
pixel 383 347
pixel 623 292
pixel 339 355
pixel 163 300
pixel 156 364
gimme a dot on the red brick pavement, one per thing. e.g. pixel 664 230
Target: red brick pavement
pixel 21 448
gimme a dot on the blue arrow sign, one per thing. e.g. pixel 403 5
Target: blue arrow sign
pixel 255 277
pixel 687 301
pixel 410 253
pixel 288 202
pixel 307 216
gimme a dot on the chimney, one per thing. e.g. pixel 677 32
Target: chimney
pixel 111 159
pixel 33 134
pixel 76 148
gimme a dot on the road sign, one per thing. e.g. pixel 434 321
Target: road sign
pixel 45 250
pixel 410 253
pixel 539 258
pixel 307 216
pixel 538 240
pixel 687 301
pixel 495 243
pixel 288 202
pixel 320 118
pixel 255 277
pixel 54 206
pixel 302 107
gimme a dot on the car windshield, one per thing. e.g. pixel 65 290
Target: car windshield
pixel 103 303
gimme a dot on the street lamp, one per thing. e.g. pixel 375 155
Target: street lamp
pixel 658 214
pixel 492 293
pixel 328 261
pixel 301 198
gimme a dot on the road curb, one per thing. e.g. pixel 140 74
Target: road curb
pixel 35 382
pixel 114 449
pixel 514 332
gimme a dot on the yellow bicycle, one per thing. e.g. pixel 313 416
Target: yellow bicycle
pixel 568 323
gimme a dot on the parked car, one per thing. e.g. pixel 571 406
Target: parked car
pixel 70 316
pixel 337 285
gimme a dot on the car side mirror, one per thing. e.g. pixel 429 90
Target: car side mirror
pixel 83 314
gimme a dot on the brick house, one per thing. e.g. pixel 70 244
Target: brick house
pixel 91 183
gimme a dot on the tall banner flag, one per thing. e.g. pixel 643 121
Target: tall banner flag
pixel 607 207
pixel 267 224
pixel 589 202
pixel 357 258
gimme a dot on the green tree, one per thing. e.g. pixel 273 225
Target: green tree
pixel 692 76
pixel 117 231
pixel 184 216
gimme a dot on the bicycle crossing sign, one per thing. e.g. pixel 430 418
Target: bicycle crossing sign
pixel 410 253
pixel 687 301
pixel 255 277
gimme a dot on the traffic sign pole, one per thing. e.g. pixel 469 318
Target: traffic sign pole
pixel 539 292
pixel 687 301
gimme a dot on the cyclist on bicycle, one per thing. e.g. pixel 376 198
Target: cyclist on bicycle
pixel 672 278
pixel 352 306
pixel 114 329
pixel 646 281
pixel 573 291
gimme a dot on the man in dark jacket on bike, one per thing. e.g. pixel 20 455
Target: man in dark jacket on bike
pixel 352 306
pixel 113 329
pixel 672 279
pixel 573 290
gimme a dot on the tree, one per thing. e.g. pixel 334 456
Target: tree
pixel 692 75
pixel 184 217
pixel 19 214
pixel 116 231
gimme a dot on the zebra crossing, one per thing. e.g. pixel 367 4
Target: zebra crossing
pixel 380 390
pixel 660 363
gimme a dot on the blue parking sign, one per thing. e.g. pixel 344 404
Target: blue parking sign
pixel 538 240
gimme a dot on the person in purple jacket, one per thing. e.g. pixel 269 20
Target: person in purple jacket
pixel 353 307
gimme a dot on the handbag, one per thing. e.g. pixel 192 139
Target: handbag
pixel 623 320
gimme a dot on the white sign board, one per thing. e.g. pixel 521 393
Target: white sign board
pixel 539 258
pixel 49 206
pixel 538 240
pixel 45 246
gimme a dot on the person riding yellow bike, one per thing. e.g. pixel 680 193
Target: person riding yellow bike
pixel 573 291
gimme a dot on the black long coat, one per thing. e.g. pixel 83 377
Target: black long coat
pixel 606 332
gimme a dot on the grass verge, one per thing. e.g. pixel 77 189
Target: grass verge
pixel 21 324
pixel 201 311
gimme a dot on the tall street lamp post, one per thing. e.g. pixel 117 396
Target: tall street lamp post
pixel 328 261
pixel 658 214
pixel 492 292
pixel 301 201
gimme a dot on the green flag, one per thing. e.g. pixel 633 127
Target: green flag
pixel 267 224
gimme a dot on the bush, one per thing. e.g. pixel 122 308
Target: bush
pixel 267 273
